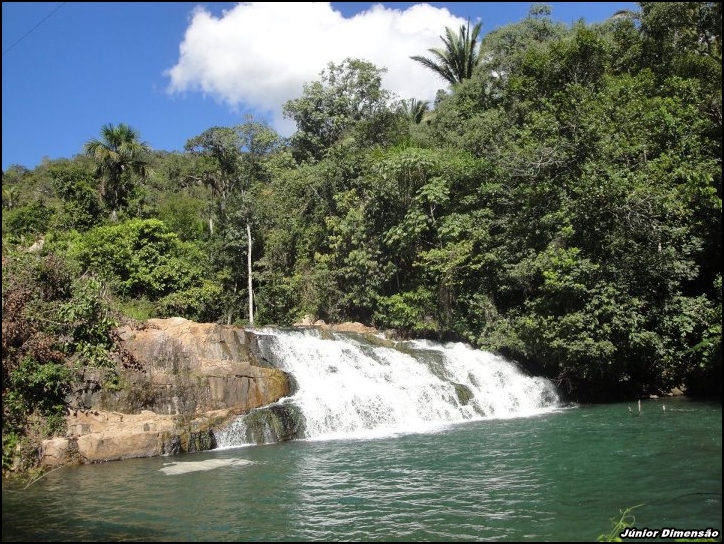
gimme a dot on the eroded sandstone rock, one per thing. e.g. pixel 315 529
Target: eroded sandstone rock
pixel 185 380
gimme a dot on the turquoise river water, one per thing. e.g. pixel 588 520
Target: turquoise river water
pixel 561 475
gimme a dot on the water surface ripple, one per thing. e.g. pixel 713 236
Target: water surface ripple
pixel 558 476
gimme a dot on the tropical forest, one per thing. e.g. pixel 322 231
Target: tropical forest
pixel 559 202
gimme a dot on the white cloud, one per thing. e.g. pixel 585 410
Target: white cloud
pixel 258 55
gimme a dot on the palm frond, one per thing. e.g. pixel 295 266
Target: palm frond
pixel 460 56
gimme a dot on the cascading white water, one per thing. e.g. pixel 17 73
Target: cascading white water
pixel 349 387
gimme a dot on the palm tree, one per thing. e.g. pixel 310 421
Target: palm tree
pixel 118 154
pixel 415 109
pixel 461 54
pixel 10 197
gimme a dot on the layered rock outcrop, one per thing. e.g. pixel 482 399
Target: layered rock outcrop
pixel 347 326
pixel 180 381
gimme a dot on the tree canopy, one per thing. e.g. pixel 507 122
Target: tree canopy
pixel 559 204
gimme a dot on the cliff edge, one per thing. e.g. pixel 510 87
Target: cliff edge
pixel 180 380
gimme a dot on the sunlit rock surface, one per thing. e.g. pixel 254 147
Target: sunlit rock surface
pixel 179 382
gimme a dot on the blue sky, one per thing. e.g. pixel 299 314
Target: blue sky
pixel 174 69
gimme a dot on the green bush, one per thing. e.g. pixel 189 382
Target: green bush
pixel 141 258
pixel 31 219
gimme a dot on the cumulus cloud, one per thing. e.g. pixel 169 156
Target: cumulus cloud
pixel 258 55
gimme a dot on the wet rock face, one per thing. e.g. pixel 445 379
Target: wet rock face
pixel 186 379
pixel 276 423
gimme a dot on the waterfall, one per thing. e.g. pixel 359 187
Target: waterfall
pixel 352 386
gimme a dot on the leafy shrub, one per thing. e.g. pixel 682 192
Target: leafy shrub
pixel 141 258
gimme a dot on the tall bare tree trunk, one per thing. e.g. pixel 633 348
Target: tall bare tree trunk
pixel 248 271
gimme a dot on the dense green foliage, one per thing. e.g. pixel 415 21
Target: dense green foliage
pixel 56 323
pixel 560 203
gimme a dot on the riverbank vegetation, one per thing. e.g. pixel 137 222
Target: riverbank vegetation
pixel 559 202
